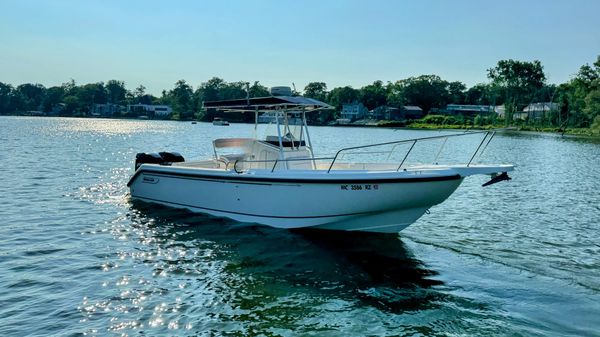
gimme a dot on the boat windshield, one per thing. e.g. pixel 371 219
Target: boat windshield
pixel 287 125
pixel 286 113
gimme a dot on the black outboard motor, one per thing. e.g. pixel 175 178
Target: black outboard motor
pixel 147 158
pixel 162 158
pixel 171 157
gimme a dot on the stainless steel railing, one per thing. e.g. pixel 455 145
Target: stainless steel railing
pixel 414 142
pixel 487 136
pixel 277 161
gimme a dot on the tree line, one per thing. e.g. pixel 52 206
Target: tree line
pixel 514 84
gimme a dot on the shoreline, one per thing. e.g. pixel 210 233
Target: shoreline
pixel 578 132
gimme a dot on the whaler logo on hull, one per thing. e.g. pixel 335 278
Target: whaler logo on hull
pixel 149 180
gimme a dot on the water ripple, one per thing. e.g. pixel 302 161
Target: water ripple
pixel 80 258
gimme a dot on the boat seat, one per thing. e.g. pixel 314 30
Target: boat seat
pixel 232 142
pixel 241 143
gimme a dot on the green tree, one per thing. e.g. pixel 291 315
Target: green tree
pixel 116 92
pixel 182 99
pixel 520 80
pixel 425 91
pixel 139 92
pixel 479 120
pixel 573 96
pixel 72 104
pixel 373 95
pixel 139 96
pixel 518 74
pixel 457 92
pixel 32 96
pixel 90 94
pixel 316 90
pixel 395 95
pixel 588 75
pixel 217 89
pixel 485 94
pixel 211 89
pixel 258 90
pixel 7 101
pixel 54 96
pixel 69 87
pixel 233 90
pixel 165 98
pixel 545 93
pixel 208 91
pixel 596 125
pixel 592 104
pixel 342 95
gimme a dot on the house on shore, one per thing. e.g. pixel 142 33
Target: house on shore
pixel 353 111
pixel 412 112
pixel 106 110
pixel 267 117
pixel 294 118
pixel 469 110
pixel 537 110
pixel 383 112
pixel 160 111
pixel 57 109
pixel 394 114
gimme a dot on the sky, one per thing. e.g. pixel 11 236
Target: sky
pixel 284 42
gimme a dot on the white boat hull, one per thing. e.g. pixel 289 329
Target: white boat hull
pixel 374 202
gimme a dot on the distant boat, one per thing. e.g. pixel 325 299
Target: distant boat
pixel 220 121
pixel 194 122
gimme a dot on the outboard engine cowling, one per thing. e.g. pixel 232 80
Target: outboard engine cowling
pixel 162 158
pixel 147 158
pixel 171 157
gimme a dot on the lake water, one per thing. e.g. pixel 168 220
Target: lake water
pixel 78 257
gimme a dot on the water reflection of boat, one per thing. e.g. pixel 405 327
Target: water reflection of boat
pixel 219 121
pixel 378 270
pixel 384 258
pixel 277 181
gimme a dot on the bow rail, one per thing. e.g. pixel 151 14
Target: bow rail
pixel 485 141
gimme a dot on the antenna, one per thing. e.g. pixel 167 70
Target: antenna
pixel 247 93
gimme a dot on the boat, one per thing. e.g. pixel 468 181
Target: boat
pixel 220 121
pixel 277 180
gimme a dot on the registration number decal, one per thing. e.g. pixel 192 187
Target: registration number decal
pixel 366 187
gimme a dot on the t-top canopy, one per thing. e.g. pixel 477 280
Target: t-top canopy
pixel 268 103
